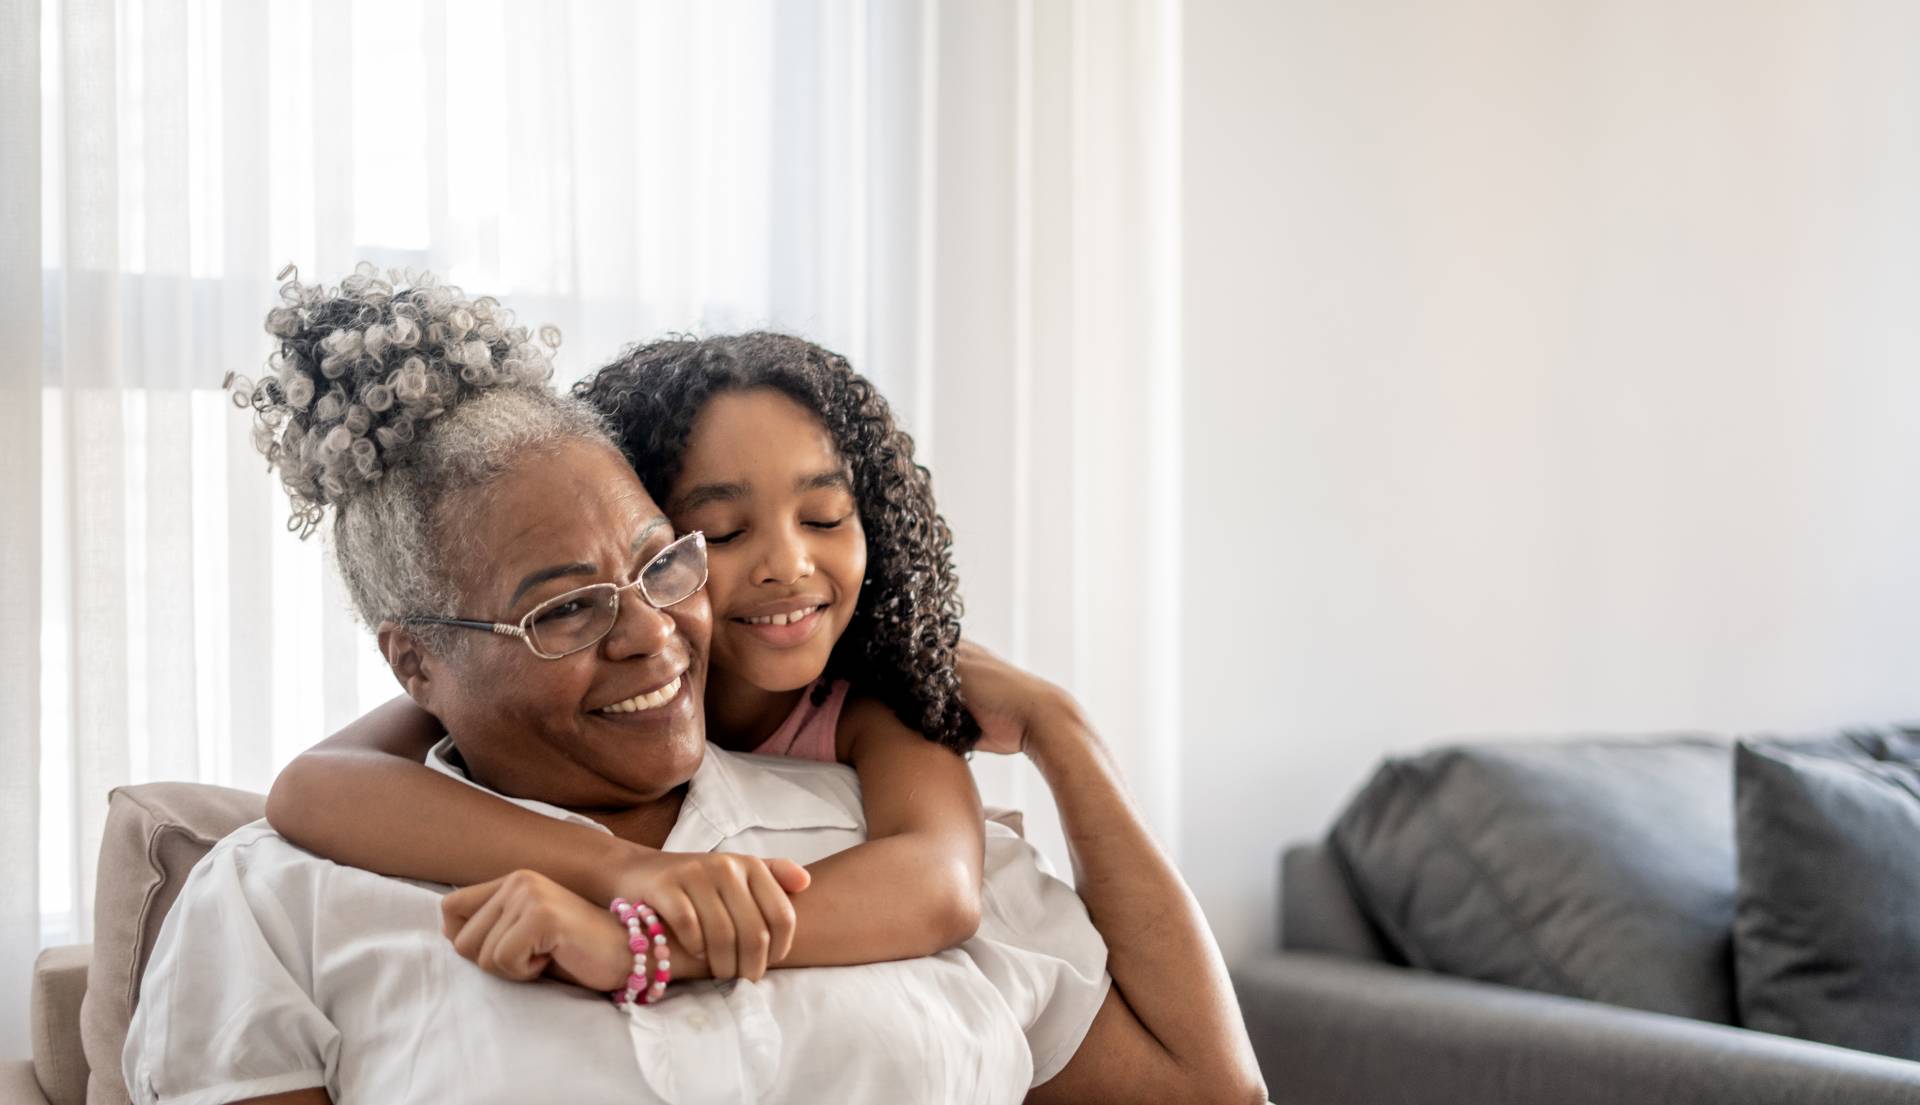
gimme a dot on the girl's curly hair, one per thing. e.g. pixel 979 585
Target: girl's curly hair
pixel 899 647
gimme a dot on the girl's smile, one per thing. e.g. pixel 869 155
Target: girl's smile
pixel 787 623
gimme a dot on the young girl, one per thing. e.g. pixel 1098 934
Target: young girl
pixel 836 620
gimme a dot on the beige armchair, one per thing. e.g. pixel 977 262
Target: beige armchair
pixel 84 994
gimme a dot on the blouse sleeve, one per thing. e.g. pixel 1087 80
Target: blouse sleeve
pixel 1039 948
pixel 225 1011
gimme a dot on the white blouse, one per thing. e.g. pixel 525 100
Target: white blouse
pixel 278 971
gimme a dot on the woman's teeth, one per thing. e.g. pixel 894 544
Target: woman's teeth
pixel 645 701
pixel 781 619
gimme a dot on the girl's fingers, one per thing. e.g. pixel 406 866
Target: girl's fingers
pixel 716 923
pixel 771 897
pixel 677 913
pixel 752 940
pixel 792 877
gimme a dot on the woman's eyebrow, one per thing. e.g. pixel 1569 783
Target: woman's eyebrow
pixel 646 532
pixel 536 578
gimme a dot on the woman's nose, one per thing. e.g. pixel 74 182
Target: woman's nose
pixel 640 629
pixel 784 560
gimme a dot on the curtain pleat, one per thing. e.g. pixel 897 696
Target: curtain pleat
pixel 164 357
pixel 20 506
pixel 241 739
pixel 89 366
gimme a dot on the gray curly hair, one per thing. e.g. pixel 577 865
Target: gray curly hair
pixel 388 395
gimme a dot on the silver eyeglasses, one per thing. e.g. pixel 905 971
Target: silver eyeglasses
pixel 582 617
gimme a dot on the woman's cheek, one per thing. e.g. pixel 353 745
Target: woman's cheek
pixel 723 575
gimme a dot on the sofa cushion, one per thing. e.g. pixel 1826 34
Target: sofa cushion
pixel 1827 928
pixel 1595 868
pixel 155 833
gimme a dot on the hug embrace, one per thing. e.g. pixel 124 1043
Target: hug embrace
pixel 675 805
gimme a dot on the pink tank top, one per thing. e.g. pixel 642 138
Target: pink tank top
pixel 808 732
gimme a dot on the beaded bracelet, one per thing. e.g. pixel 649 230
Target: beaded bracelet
pixel 644 932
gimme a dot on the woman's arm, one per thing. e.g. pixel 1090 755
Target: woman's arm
pixel 913 888
pixel 1170 1028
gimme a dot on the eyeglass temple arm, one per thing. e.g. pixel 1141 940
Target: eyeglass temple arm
pixel 501 628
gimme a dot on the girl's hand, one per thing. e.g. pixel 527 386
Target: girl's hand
pixel 729 914
pixel 523 925
pixel 1005 700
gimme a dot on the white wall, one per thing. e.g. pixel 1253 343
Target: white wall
pixel 1549 366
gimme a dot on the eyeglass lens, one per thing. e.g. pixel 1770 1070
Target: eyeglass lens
pixel 679 571
pixel 570 622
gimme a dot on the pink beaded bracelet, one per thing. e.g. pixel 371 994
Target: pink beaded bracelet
pixel 644 933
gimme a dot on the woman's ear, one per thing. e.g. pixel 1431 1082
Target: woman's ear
pixel 410 662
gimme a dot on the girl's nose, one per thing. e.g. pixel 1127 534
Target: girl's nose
pixel 785 561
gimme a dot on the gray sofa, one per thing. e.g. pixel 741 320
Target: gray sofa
pixel 1337 1016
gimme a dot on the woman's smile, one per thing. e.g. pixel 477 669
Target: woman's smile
pixel 647 700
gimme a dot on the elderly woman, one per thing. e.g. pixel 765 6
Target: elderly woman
pixel 468 496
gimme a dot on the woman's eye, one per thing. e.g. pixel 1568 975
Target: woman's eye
pixel 723 538
pixel 835 524
pixel 572 608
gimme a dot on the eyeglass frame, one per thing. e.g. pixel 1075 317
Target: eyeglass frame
pixel 523 628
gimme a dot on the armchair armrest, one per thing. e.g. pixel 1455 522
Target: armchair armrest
pixel 1335 1031
pixel 18 1086
pixel 59 1061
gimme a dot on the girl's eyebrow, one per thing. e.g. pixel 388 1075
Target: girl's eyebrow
pixel 713 493
pixel 733 492
pixel 822 480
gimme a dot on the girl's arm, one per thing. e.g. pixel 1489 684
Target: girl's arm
pixel 363 797
pixel 914 887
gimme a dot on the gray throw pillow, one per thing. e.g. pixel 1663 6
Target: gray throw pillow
pixel 1827 929
pixel 1595 868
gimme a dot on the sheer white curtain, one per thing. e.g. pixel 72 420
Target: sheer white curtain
pixel 974 202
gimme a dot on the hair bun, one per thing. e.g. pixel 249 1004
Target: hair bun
pixel 361 369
